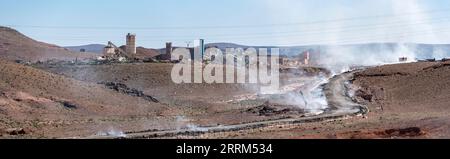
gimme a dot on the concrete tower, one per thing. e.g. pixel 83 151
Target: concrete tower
pixel 168 48
pixel 131 44
pixel 168 55
pixel 306 58
pixel 199 48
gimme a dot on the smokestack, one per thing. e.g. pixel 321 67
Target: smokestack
pixel 306 58
pixel 168 51
pixel 168 48
pixel 199 47
pixel 131 44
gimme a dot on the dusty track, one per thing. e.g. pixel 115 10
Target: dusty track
pixel 336 91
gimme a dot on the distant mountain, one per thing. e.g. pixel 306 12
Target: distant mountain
pixel 94 48
pixel 16 46
pixel 381 51
pixel 226 45
pixel 284 50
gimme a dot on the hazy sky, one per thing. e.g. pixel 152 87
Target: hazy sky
pixel 250 22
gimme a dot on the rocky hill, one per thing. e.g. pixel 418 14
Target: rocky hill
pixel 16 46
pixel 44 103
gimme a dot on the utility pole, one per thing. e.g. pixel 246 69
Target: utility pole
pixel 188 44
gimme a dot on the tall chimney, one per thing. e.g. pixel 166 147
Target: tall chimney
pixel 168 51
pixel 131 44
pixel 307 58
pixel 199 48
pixel 168 48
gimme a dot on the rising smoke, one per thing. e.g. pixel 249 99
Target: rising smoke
pixel 385 38
pixel 184 123
pixel 112 132
pixel 339 55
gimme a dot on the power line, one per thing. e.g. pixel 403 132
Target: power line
pixel 359 38
pixel 370 27
pixel 231 26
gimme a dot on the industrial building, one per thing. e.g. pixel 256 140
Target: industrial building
pixel 306 58
pixel 167 55
pixel 131 44
pixel 199 48
pixel 403 59
pixel 168 48
pixel 112 52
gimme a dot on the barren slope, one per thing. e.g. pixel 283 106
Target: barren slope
pixel 16 46
pixel 415 87
pixel 45 103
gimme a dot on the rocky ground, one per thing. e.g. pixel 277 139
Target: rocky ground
pixel 405 101
pixel 65 100
pixel 49 101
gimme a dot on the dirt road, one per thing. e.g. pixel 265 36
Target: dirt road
pixel 335 90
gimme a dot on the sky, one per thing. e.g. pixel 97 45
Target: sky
pixel 247 22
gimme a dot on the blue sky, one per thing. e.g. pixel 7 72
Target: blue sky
pixel 250 22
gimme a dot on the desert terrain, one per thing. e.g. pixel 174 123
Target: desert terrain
pixel 41 99
pixel 405 101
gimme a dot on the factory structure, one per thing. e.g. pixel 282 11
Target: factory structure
pixel 111 52
pixel 127 53
pixel 199 49
pixel 131 44
pixel 167 55
pixel 303 59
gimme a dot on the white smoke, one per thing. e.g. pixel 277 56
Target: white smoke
pixel 400 30
pixel 312 99
pixel 111 132
pixel 338 57
pixel 408 12
pixel 440 53
pixel 183 123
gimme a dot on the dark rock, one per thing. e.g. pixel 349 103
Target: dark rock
pixel 268 109
pixel 407 132
pixel 15 131
pixel 69 105
pixel 364 95
pixel 122 88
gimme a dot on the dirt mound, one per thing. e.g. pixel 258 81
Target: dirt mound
pixel 16 46
pixel 407 132
pixel 421 86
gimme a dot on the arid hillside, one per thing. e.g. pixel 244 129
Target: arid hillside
pixel 16 46
pixel 415 87
pixel 44 104
pixel 408 100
